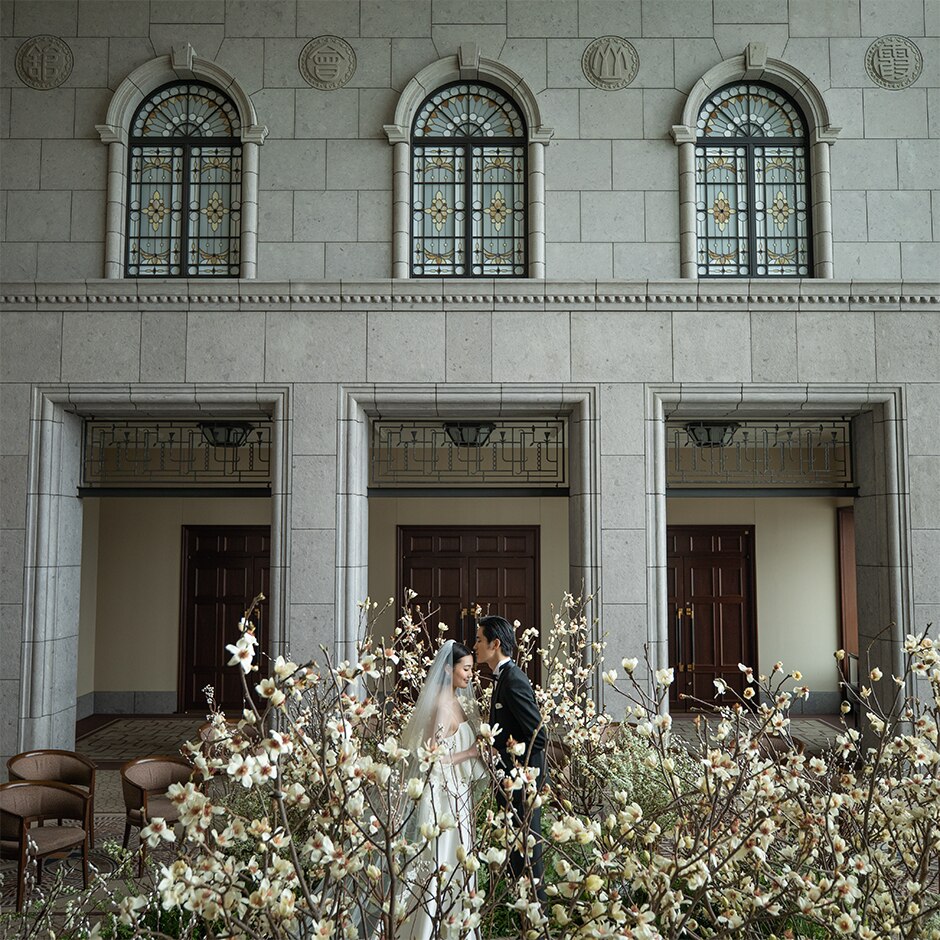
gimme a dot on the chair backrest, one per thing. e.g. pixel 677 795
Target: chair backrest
pixel 38 800
pixel 64 766
pixel 155 772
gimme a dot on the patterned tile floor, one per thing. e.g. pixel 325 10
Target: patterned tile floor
pixel 120 740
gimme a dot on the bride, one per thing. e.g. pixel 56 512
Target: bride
pixel 445 715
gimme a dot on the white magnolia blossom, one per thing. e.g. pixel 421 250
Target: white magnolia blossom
pixel 302 822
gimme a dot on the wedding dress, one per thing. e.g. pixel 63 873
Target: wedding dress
pixel 448 795
pixel 447 798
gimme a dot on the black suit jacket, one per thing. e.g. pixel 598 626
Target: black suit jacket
pixel 514 709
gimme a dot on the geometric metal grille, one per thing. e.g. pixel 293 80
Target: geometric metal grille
pixel 468 176
pixel 420 453
pixel 184 185
pixel 171 453
pixel 789 454
pixel 751 185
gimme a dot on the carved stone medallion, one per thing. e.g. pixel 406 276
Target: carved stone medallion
pixel 894 62
pixel 44 62
pixel 610 63
pixel 327 62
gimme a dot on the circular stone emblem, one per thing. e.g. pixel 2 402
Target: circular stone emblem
pixel 894 62
pixel 44 62
pixel 610 63
pixel 327 62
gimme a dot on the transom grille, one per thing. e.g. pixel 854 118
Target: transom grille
pixel 791 454
pixel 144 454
pixel 422 454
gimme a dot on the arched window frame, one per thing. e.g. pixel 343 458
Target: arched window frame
pixel 469 148
pixel 754 67
pixel 183 148
pixel 467 65
pixel 181 65
pixel 744 150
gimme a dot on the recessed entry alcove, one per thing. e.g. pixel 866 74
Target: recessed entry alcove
pixel 57 662
pixel 778 526
pixel 404 428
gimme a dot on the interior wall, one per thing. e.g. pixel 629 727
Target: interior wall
pixel 88 598
pixel 549 513
pixel 797 573
pixel 129 627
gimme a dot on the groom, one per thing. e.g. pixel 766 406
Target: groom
pixel 514 709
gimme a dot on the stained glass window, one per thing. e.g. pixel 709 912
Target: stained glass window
pixel 751 185
pixel 184 185
pixel 468 184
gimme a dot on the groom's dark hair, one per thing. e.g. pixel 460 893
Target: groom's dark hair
pixel 499 628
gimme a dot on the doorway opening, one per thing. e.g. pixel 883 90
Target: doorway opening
pixel 86 648
pixel 510 555
pixel 223 568
pixel 758 578
pixel 164 583
pixel 783 475
pixel 710 571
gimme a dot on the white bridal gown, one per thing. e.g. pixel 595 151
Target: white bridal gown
pixel 449 791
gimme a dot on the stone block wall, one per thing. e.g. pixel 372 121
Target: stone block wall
pixel 612 205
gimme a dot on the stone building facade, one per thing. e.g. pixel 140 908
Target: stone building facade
pixel 329 326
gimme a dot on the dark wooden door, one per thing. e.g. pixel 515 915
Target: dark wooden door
pixel 712 609
pixel 456 568
pixel 224 567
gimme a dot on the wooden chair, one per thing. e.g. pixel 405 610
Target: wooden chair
pixel 61 766
pixel 144 781
pixel 24 802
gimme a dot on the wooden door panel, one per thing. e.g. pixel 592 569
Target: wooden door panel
pixel 223 569
pixel 484 581
pixel 516 579
pixel 732 636
pixel 421 579
pixel 711 605
pixel 701 579
pixel 439 584
pixel 732 544
pixel 700 543
pixel 731 581
pixel 486 544
pixel 419 544
pixel 516 544
pixel 451 581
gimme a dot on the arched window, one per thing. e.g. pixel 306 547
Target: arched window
pixel 184 184
pixel 468 184
pixel 752 199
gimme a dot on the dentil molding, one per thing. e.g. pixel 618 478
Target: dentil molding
pixel 433 294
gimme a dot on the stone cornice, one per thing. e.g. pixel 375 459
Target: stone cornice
pixel 432 294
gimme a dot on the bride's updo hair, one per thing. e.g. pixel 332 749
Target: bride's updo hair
pixel 458 652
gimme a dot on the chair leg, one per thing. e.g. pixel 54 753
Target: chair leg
pixel 20 884
pixel 91 821
pixel 85 862
pixel 127 832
